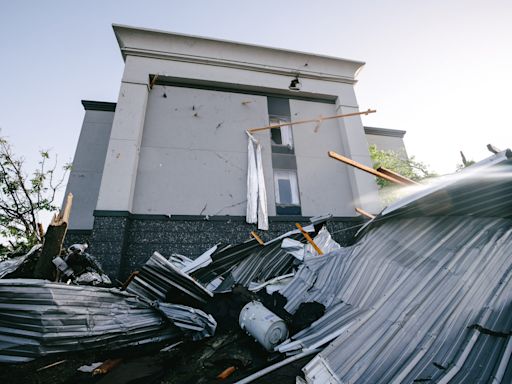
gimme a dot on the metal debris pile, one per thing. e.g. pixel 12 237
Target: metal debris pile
pixel 424 294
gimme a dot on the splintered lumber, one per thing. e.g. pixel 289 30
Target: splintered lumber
pixel 397 176
pixel 319 120
pixel 309 239
pixel 363 167
pixel 364 213
pixel 53 240
pixel 258 239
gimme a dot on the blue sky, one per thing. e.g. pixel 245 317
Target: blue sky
pixel 441 70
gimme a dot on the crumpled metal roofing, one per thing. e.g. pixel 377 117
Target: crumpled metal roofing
pixel 483 189
pixel 261 265
pixel 425 295
pixel 417 299
pixel 38 317
pixel 10 265
pixel 159 276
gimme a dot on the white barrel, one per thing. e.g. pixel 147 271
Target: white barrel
pixel 267 328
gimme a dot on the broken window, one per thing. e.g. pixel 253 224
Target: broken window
pixel 283 135
pixel 279 113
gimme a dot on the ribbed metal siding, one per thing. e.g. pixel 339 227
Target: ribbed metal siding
pixel 404 297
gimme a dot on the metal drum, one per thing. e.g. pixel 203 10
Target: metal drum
pixel 267 328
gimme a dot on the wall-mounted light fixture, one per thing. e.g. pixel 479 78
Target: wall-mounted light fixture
pixel 295 84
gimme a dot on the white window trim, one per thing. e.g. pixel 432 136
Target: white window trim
pixel 291 176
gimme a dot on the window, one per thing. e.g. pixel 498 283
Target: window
pixel 286 187
pixel 283 135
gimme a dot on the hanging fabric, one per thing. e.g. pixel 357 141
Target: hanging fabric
pixel 257 211
pixel 252 185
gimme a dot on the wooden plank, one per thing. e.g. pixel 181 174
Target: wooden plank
pixel 51 365
pixel 258 239
pixel 397 176
pixel 129 280
pixel 153 81
pixel 309 239
pixel 319 120
pixel 363 167
pixel 364 213
pixel 53 239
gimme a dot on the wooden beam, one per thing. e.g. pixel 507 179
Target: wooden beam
pixel 397 176
pixel 258 239
pixel 320 119
pixel 129 280
pixel 363 167
pixel 153 81
pixel 309 239
pixel 364 213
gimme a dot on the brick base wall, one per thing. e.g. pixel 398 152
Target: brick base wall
pixel 122 242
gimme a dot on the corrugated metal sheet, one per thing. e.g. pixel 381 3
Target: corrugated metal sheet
pixel 159 277
pixel 224 259
pixel 261 265
pixel 483 189
pixel 10 265
pixel 38 318
pixel 415 299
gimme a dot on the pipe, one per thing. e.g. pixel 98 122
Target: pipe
pixel 282 363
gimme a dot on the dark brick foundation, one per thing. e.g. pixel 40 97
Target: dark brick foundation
pixel 77 236
pixel 122 242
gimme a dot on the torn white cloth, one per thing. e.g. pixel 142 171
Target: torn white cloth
pixel 256 191
pixel 252 185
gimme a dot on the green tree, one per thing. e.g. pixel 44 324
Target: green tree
pixel 24 196
pixel 398 162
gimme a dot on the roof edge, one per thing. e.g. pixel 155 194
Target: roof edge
pixel 384 132
pixel 91 105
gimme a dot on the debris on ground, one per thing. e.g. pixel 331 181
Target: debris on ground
pixel 422 295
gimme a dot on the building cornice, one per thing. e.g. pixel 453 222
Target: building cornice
pixel 384 132
pixel 90 105
pixel 191 49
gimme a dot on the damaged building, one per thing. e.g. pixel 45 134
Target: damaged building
pixel 165 167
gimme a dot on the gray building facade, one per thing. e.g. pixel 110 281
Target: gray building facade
pixel 165 167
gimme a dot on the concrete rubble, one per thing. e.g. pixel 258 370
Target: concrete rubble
pixel 423 293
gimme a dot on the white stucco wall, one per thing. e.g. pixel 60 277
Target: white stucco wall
pixel 324 183
pixel 193 157
pixel 154 165
pixel 387 143
pixel 85 176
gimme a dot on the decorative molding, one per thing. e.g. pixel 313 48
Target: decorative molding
pixel 254 67
pixel 384 132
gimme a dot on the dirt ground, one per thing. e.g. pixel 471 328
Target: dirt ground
pixel 190 362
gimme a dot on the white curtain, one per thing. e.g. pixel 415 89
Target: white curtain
pixel 256 191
